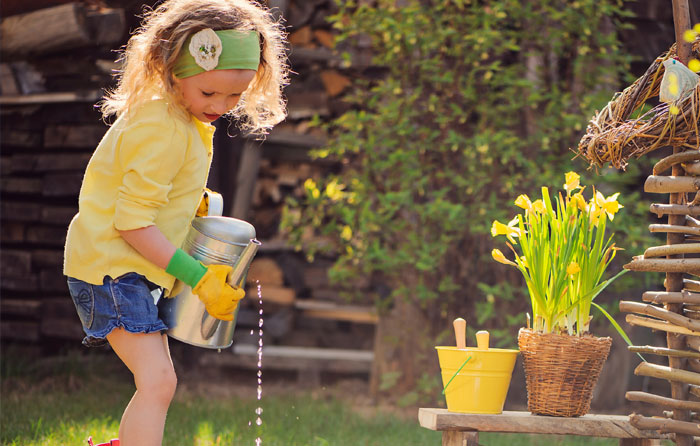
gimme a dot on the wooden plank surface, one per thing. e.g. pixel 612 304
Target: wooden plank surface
pixel 293 359
pixel 51 98
pixel 330 310
pixel 609 426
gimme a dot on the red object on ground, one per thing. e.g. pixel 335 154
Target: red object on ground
pixel 112 442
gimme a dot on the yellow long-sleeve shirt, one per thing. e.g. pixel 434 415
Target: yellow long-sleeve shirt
pixel 149 169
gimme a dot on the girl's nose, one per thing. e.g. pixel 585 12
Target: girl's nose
pixel 221 107
pixel 231 102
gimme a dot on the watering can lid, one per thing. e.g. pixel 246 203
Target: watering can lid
pixel 225 229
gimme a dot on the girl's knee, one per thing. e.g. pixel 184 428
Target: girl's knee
pixel 159 382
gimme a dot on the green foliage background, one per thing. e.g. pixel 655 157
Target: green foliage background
pixel 443 136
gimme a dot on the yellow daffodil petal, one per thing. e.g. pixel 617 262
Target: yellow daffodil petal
pixel 538 206
pixel 500 258
pixel 334 190
pixel 523 201
pixel 498 228
pixel 572 182
pixel 599 199
pixel 579 201
pixel 346 233
pixel 611 206
pixel 573 268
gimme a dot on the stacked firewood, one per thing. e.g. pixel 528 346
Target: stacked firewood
pixel 677 310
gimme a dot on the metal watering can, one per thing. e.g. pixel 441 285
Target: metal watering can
pixel 211 240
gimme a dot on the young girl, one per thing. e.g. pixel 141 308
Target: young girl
pixel 190 63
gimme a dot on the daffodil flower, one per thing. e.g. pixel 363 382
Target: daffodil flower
pixel 509 230
pixel 500 258
pixel 562 253
pixel 334 191
pixel 608 205
pixel 538 206
pixel 573 268
pixel 346 233
pixel 612 206
pixel 523 201
pixel 580 202
pixel 572 182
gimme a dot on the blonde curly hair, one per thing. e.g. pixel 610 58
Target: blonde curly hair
pixel 151 53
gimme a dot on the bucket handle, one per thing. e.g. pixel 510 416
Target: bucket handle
pixel 456 373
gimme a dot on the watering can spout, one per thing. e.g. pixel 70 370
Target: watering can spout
pixel 235 277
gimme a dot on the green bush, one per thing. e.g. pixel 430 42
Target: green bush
pixel 475 102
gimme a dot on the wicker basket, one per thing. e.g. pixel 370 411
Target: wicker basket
pixel 561 371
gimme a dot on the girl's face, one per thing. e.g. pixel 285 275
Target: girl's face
pixel 213 93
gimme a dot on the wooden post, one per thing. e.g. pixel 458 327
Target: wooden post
pixel 246 178
pixel 460 438
pixel 639 442
pixel 674 281
pixel 681 22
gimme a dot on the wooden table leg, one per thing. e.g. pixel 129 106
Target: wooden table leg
pixel 640 442
pixel 460 438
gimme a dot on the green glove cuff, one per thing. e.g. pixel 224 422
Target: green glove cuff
pixel 186 268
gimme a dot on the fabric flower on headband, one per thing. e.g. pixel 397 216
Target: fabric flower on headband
pixel 205 48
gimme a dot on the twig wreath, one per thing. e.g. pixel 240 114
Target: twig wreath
pixel 612 137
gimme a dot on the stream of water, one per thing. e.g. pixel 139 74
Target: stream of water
pixel 259 410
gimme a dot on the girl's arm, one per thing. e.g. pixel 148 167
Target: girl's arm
pixel 150 243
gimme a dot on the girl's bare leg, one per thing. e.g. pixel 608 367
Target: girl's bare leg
pixel 148 357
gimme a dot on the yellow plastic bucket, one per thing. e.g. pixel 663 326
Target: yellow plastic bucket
pixel 481 385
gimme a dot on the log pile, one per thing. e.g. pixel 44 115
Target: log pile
pixel 56 61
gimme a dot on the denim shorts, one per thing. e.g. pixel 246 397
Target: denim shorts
pixel 127 301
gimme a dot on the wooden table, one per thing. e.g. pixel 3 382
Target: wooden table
pixel 461 429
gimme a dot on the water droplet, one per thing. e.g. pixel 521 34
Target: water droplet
pixel 258 411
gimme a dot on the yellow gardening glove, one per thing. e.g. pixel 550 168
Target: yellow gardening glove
pixel 219 298
pixel 203 209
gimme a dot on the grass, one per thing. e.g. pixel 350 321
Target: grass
pixel 63 400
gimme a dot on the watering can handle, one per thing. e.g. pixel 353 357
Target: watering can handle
pixel 460 326
pixel 235 277
pixel 216 204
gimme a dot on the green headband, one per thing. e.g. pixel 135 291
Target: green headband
pixel 227 49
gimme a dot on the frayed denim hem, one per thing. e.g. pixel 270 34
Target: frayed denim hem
pixel 100 339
